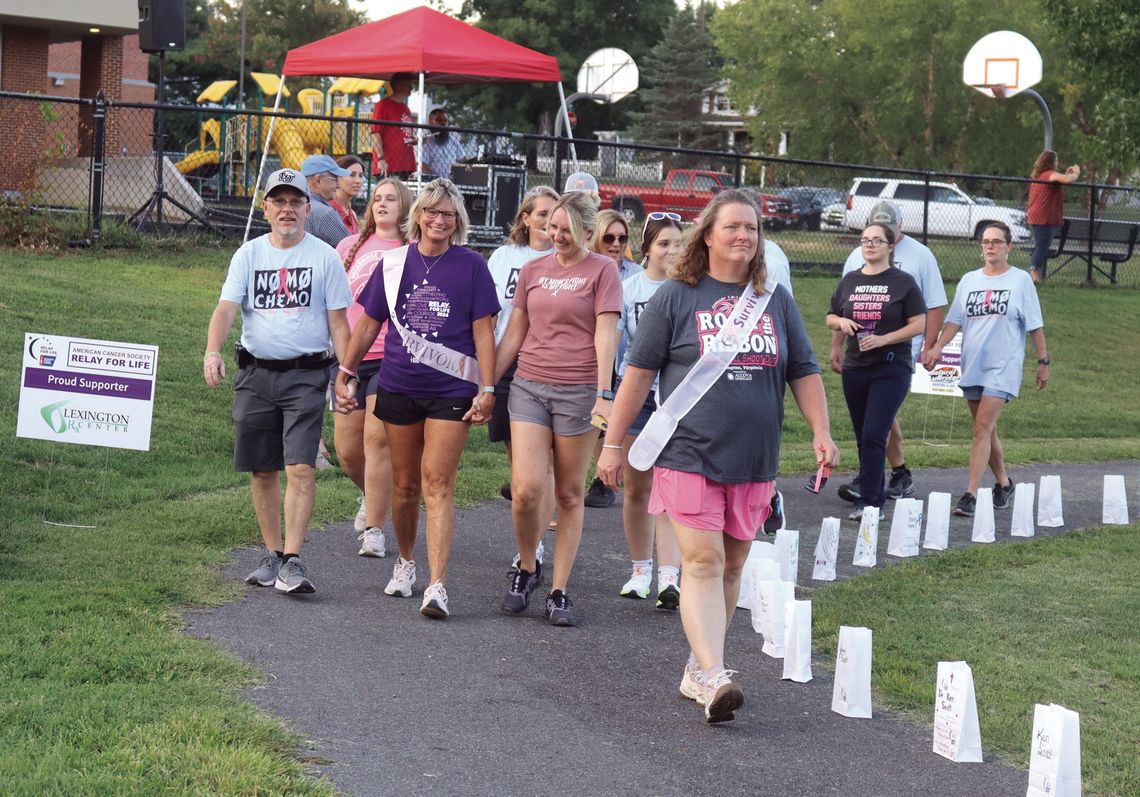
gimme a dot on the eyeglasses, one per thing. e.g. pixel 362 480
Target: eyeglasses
pixel 873 243
pixel 659 215
pixel 431 214
pixel 993 241
pixel 609 238
pixel 280 202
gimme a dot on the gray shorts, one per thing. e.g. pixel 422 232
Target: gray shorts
pixel 277 417
pixel 564 409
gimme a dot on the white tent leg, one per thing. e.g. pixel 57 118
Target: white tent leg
pixel 264 155
pixel 569 129
pixel 420 134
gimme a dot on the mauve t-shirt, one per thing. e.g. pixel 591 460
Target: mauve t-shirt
pixel 440 304
pixel 562 305
pixel 363 264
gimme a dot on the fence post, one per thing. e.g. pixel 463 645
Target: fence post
pixel 558 165
pixel 1092 230
pixel 738 171
pixel 925 208
pixel 98 165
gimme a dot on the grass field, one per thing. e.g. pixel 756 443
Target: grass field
pixel 101 693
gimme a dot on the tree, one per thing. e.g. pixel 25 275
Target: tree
pixel 569 31
pixel 213 39
pixel 677 78
pixel 1100 40
pixel 880 84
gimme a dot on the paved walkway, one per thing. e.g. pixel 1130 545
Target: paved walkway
pixel 487 704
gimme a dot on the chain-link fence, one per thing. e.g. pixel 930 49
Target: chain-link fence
pixel 96 161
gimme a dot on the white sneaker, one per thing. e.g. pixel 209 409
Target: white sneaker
pixel 538 552
pixel 403 578
pixel 435 602
pixel 361 522
pixel 691 685
pixel 639 583
pixel 372 543
pixel 721 696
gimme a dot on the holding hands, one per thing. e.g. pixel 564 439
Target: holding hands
pixel 481 407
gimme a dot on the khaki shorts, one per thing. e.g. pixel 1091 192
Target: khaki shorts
pixel 564 409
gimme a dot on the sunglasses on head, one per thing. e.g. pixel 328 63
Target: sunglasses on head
pixel 609 238
pixel 659 215
pixel 816 482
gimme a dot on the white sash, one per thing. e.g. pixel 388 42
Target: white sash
pixel 435 355
pixel 701 377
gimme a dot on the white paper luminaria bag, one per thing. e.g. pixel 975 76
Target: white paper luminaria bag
pixel 797 641
pixel 867 544
pixel 1021 524
pixel 826 550
pixel 760 551
pixel 851 694
pixel 956 734
pixel 937 522
pixel 984 516
pixel 1049 513
pixel 1115 510
pixel 1055 753
pixel 906 528
pixel 788 554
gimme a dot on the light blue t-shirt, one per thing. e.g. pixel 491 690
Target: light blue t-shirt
pixel 777 264
pixel 635 294
pixel 995 313
pixel 917 260
pixel 285 296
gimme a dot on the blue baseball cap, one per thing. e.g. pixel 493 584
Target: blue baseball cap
pixel 319 164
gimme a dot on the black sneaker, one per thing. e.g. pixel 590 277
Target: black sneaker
pixel 901 484
pixel 522 585
pixel 599 496
pixel 966 505
pixel 505 491
pixel 1002 495
pixel 558 610
pixel 776 521
pixel 850 492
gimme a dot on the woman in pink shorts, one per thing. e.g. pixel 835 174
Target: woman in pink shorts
pixel 715 475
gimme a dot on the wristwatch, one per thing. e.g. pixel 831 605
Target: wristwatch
pixel 608 395
pixel 1043 361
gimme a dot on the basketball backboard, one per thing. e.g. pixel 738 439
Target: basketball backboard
pixel 610 73
pixel 1002 64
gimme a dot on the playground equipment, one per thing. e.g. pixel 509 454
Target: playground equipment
pixel 230 143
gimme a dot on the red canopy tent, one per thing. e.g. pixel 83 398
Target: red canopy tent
pixel 443 49
pixel 440 48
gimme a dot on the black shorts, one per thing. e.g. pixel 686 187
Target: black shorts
pixel 499 427
pixel 401 410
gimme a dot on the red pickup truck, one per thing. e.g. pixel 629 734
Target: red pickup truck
pixel 686 192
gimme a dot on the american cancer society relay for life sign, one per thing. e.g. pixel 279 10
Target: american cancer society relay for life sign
pixel 87 392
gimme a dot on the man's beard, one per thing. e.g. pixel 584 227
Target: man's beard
pixel 440 136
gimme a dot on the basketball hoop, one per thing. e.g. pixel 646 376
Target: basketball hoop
pixel 1002 64
pixel 993 89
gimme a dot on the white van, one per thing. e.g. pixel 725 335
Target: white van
pixel 953 212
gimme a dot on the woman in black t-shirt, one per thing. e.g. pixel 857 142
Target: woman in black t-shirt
pixel 880 309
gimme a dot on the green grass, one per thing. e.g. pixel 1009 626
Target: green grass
pixel 1035 625
pixel 101 692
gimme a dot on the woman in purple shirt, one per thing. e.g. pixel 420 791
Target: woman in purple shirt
pixel 438 373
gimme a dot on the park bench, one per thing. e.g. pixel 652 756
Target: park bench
pixel 1111 242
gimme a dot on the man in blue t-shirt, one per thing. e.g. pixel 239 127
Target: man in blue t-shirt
pixel 292 293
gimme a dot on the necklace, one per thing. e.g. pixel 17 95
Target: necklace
pixel 427 268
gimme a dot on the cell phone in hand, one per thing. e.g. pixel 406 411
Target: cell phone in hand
pixel 600 422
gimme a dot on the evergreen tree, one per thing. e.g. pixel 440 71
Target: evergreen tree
pixel 678 79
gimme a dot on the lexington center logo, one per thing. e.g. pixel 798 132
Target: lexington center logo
pixel 62 419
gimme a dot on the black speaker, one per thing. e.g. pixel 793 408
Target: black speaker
pixel 162 25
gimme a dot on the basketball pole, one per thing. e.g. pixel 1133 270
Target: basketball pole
pixel 998 90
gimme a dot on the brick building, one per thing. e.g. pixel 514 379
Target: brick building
pixel 66 48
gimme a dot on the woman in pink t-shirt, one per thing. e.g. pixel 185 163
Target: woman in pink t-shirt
pixel 562 328
pixel 361 444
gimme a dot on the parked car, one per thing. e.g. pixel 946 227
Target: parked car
pixel 952 213
pixel 834 216
pixel 808 203
pixel 685 192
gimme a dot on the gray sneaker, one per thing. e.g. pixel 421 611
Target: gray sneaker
pixel 1002 495
pixel 293 579
pixel 522 585
pixel 266 572
pixel 558 611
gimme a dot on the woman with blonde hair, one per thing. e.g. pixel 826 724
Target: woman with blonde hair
pixel 715 475
pixel 561 328
pixel 347 189
pixel 438 374
pixel 361 445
